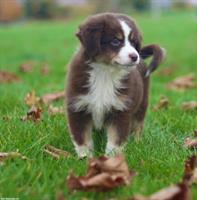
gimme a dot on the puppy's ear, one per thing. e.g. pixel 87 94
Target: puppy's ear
pixel 138 41
pixel 158 54
pixel 137 36
pixel 90 36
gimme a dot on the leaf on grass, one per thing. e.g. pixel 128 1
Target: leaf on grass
pixel 191 142
pixel 190 105
pixel 27 66
pixel 168 70
pixel 34 114
pixel 44 69
pixel 8 77
pixel 56 153
pixel 190 172
pixel 31 99
pixel 180 191
pixel 61 196
pixel 50 97
pixel 103 174
pixel 11 155
pixel 182 83
pixel 163 103
pixel 56 110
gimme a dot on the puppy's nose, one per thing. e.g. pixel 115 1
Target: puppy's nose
pixel 133 57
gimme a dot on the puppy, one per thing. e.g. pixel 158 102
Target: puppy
pixel 108 81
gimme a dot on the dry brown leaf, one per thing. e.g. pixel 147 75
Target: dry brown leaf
pixel 175 192
pixel 181 191
pixel 31 99
pixel 11 155
pixel 34 114
pixel 190 105
pixel 190 172
pixel 56 153
pixel 182 83
pixel 27 66
pixel 190 165
pixel 103 174
pixel 163 103
pixel 56 110
pixel 61 196
pixel 44 69
pixel 194 177
pixel 50 97
pixel 8 77
pixel 168 70
pixel 191 142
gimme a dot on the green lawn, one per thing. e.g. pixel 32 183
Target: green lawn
pixel 158 158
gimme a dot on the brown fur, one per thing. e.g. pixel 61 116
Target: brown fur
pixel 93 34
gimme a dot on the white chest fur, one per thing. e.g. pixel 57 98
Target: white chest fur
pixel 103 94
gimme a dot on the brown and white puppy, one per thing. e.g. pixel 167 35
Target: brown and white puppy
pixel 108 81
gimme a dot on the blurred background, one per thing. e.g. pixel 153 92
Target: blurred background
pixel 14 10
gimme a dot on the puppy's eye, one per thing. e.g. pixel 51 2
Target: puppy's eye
pixel 115 42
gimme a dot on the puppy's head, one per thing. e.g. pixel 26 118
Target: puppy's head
pixel 112 39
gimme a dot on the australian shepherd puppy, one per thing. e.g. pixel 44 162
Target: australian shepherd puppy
pixel 108 81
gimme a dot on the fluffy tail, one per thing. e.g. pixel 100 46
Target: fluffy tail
pixel 158 54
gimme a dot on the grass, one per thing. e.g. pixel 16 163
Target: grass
pixel 158 157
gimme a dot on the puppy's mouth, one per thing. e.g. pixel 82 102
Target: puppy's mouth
pixel 130 65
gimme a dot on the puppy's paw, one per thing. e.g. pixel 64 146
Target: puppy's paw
pixel 83 151
pixel 112 150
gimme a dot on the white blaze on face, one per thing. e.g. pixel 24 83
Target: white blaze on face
pixel 125 53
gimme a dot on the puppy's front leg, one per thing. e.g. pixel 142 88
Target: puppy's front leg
pixel 81 129
pixel 117 131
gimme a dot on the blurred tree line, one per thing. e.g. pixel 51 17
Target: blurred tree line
pixel 121 5
pixel 39 8
pixel 49 8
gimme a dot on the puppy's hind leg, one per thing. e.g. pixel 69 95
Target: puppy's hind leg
pixel 81 132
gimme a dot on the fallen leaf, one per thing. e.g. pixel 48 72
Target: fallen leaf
pixel 182 83
pixel 10 155
pixel 56 153
pixel 34 114
pixel 8 77
pixel 190 171
pixel 103 174
pixel 163 103
pixel 56 110
pixel 168 70
pixel 27 66
pixel 44 69
pixel 194 177
pixel 190 105
pixel 50 97
pixel 180 191
pixel 61 196
pixel 31 99
pixel 191 142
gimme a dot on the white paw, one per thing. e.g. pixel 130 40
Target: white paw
pixel 84 151
pixel 112 149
